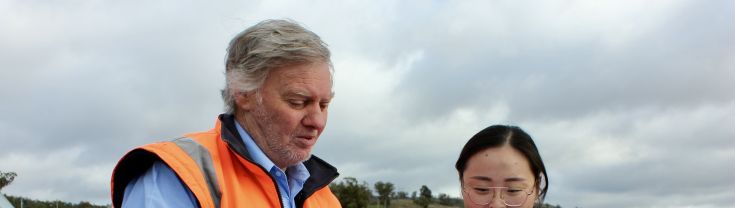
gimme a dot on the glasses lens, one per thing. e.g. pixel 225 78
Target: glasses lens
pixel 514 196
pixel 484 195
pixel 479 195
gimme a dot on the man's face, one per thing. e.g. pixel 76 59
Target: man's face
pixel 290 112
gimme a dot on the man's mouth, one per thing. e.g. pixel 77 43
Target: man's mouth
pixel 306 140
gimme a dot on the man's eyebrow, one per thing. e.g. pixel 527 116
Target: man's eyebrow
pixel 303 94
pixel 299 93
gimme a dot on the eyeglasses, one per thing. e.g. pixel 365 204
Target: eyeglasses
pixel 512 197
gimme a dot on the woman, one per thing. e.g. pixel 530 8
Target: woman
pixel 501 167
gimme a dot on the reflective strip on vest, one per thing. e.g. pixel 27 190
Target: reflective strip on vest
pixel 201 156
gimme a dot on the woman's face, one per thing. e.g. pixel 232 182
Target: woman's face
pixel 498 172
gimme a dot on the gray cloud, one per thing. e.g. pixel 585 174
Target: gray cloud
pixel 550 75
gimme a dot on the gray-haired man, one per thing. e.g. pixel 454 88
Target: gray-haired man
pixel 279 86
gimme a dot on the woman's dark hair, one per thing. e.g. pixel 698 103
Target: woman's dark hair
pixel 499 135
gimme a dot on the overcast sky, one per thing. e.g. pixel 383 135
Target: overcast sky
pixel 632 103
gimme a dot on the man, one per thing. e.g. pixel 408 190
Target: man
pixel 279 86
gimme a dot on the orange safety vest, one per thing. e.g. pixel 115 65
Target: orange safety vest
pixel 216 168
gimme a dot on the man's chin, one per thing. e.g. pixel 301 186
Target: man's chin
pixel 303 155
pixel 299 158
pixel 306 158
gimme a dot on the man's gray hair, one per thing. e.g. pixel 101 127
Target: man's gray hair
pixel 268 45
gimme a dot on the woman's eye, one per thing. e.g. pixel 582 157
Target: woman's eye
pixel 482 190
pixel 513 190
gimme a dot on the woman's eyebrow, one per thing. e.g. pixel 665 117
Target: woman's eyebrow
pixel 514 179
pixel 482 178
pixel 511 179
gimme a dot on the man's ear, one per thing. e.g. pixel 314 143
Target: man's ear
pixel 246 101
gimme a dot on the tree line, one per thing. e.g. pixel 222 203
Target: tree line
pixel 350 192
pixel 32 203
pixel 354 194
pixel 7 177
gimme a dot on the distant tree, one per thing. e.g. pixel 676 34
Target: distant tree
pixel 351 194
pixel 424 198
pixel 444 199
pixel 449 201
pixel 550 206
pixel 401 195
pixel 6 178
pixel 85 204
pixel 413 195
pixel 385 190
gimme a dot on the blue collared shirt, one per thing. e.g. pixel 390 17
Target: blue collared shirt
pixel 287 186
pixel 160 187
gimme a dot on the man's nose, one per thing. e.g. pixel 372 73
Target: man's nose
pixel 315 117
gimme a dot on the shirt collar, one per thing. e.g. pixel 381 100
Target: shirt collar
pixel 298 172
pixel 255 152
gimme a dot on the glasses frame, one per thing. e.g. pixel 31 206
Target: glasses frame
pixel 502 196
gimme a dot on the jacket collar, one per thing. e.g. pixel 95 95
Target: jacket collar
pixel 322 173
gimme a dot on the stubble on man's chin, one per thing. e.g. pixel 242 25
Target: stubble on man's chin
pixel 288 156
pixel 282 151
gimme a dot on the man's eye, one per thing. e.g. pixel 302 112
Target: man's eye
pixel 324 105
pixel 296 103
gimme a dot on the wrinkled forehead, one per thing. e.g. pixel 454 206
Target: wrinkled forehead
pixel 313 79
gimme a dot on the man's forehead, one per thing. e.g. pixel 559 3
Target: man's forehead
pixel 307 80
